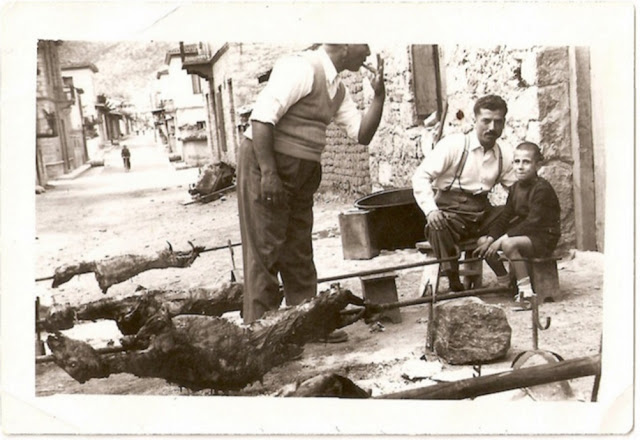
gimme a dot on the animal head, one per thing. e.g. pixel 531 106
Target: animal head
pixel 77 358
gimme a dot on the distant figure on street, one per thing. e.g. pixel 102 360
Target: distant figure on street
pixel 279 169
pixel 529 225
pixel 126 157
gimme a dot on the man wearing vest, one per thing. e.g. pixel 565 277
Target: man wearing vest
pixel 452 183
pixel 279 168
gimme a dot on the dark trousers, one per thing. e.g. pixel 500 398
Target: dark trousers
pixel 467 217
pixel 276 240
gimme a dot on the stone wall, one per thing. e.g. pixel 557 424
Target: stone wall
pixel 395 151
pixel 535 83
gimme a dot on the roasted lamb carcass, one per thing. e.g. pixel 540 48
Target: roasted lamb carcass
pixel 120 268
pixel 130 313
pixel 200 352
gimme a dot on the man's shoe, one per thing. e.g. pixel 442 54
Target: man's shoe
pixel 455 285
pixel 335 337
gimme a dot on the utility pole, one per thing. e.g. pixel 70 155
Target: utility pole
pixel 80 92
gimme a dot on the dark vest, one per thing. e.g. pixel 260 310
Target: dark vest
pixel 302 131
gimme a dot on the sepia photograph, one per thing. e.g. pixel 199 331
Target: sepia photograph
pixel 237 220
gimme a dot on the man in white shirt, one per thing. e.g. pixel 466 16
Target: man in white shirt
pixel 279 168
pixel 452 183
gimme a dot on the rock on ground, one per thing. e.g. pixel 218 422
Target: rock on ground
pixel 469 331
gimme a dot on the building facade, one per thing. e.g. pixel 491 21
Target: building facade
pixel 60 146
pixel 179 109
pixel 548 91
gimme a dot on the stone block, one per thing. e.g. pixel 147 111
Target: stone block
pixel 533 132
pixel 560 176
pixel 553 65
pixel 525 105
pixel 385 173
pixel 555 122
pixel 528 68
pixel 470 331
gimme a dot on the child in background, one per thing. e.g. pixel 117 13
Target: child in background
pixel 126 157
pixel 529 225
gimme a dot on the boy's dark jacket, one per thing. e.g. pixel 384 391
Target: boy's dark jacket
pixel 532 208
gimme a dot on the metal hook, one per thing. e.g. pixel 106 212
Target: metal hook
pixel 536 315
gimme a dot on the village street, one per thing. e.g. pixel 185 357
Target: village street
pixel 107 211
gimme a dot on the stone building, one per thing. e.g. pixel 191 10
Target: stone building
pixel 59 150
pixel 548 89
pixel 78 77
pixel 179 107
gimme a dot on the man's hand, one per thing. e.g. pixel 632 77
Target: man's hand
pixel 482 248
pixel 493 249
pixel 436 220
pixel 377 83
pixel 272 191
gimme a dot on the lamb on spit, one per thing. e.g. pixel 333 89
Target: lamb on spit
pixel 131 312
pixel 201 352
pixel 120 268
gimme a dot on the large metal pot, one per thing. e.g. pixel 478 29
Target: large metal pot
pixel 396 220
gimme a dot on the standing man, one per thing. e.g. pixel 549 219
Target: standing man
pixel 126 157
pixel 279 168
pixel 452 183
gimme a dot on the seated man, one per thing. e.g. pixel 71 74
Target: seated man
pixel 452 183
pixel 529 225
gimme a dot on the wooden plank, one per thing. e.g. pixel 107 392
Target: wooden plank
pixel 425 82
pixel 598 91
pixel 582 148
pixel 508 380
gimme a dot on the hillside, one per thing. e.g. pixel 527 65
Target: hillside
pixel 126 69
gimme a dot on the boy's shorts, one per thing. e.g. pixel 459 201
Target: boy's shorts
pixel 543 244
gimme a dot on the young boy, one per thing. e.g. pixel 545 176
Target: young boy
pixel 529 225
pixel 126 157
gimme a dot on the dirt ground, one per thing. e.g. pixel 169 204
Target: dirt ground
pixel 106 212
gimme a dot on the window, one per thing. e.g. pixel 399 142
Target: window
pixel 427 85
pixel 195 84
pixel 69 90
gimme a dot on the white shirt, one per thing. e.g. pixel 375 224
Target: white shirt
pixel 479 175
pixel 292 80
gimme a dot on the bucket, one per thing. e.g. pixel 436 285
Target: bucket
pixel 397 222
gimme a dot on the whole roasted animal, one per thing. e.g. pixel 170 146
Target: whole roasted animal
pixel 213 177
pixel 200 352
pixel 132 312
pixel 120 268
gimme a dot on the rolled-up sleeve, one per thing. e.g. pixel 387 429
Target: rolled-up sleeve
pixel 348 117
pixel 291 79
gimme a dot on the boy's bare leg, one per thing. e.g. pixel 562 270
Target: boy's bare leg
pixel 515 248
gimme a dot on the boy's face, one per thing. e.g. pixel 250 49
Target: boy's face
pixel 525 165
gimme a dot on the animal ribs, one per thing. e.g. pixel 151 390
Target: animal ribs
pixel 130 313
pixel 200 352
pixel 114 270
